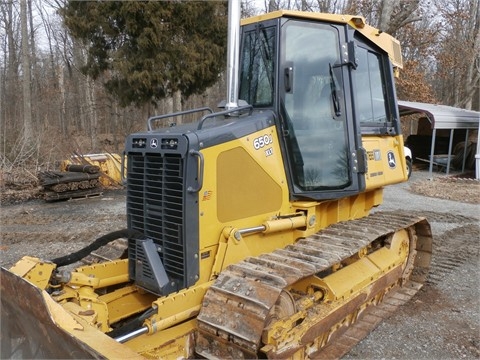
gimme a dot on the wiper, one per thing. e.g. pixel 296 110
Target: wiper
pixel 335 89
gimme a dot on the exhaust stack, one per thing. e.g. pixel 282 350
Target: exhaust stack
pixel 233 52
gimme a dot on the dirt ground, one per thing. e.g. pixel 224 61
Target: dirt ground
pixel 441 322
pixel 51 228
pixel 450 188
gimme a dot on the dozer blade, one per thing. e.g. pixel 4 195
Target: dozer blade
pixel 35 326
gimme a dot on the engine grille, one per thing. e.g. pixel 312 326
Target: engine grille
pixel 155 208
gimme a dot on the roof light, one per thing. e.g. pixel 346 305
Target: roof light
pixel 358 22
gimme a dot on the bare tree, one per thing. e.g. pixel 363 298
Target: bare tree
pixel 472 83
pixel 26 80
pixel 440 46
pixel 458 53
pixel 10 72
pixel 386 12
pixel 248 8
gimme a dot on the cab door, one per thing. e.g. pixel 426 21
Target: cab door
pixel 324 155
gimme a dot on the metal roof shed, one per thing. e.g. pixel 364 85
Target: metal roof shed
pixel 445 117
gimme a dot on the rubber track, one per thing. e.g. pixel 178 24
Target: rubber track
pixel 236 306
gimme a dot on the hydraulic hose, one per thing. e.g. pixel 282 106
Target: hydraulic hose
pixel 98 243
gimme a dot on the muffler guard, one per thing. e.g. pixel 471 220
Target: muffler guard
pixel 150 273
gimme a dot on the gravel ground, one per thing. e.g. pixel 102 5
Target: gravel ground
pixel 442 321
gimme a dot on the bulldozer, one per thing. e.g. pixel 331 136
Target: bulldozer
pixel 251 232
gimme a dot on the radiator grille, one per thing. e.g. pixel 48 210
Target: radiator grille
pixel 155 207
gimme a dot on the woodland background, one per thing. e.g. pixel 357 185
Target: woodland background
pixel 78 76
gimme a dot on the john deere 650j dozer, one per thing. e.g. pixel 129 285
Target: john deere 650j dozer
pixel 249 234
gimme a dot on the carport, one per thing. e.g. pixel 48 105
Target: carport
pixel 448 118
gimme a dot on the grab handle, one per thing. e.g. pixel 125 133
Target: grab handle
pixel 199 155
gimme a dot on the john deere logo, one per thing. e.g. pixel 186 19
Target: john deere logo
pixel 154 143
pixel 392 164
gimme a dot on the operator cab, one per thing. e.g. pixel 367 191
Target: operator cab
pixel 327 85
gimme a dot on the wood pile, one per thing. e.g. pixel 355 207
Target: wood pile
pixel 77 181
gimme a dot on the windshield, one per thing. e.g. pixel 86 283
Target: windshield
pixel 312 106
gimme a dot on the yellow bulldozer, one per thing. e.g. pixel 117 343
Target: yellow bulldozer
pixel 250 231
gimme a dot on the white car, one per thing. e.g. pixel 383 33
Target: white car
pixel 408 160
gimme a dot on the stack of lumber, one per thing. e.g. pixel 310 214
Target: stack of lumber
pixel 76 181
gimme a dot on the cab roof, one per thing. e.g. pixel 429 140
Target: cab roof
pixel 383 40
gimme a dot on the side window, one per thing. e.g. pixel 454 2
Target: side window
pixel 370 94
pixel 257 67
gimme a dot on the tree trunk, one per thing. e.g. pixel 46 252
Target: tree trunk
pixel 114 128
pixel 272 5
pixel 10 101
pixel 80 112
pixel 26 81
pixel 473 73
pixel 91 111
pixel 177 105
pixel 62 100
pixel 35 78
pixel 168 105
pixel 386 11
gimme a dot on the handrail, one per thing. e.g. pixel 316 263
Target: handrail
pixel 185 112
pixel 123 178
pixel 226 112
